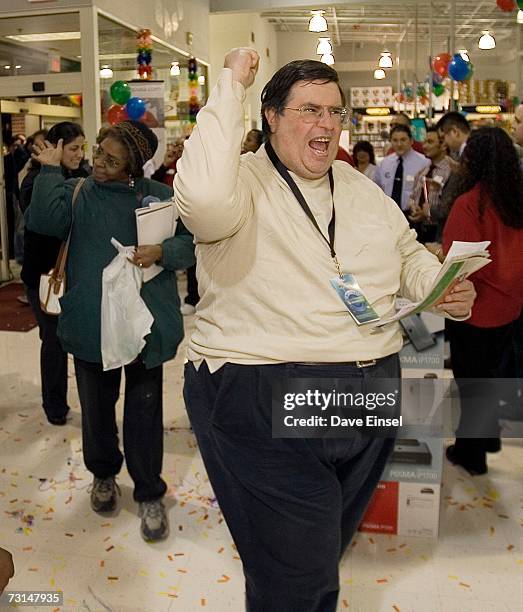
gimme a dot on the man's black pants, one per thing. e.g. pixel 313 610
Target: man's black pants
pixel 142 424
pixel 292 505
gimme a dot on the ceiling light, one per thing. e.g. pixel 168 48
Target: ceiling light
pixel 487 41
pixel 201 79
pixel 106 73
pixel 17 67
pixel 7 67
pixel 379 73
pixel 175 69
pixel 385 60
pixel 45 37
pixel 324 45
pixel 519 18
pixel 317 23
pixel 327 58
pixel 464 54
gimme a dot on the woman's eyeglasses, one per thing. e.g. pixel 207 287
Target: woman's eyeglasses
pixel 107 160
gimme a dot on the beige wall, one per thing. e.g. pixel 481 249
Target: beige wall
pixel 228 31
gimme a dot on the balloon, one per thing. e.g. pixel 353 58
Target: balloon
pixel 135 108
pixel 116 113
pixel 436 78
pixel 120 92
pixel 441 63
pixel 458 68
pixel 520 4
pixel 470 72
pixel 438 89
pixel 506 5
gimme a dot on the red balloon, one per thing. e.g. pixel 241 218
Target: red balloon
pixel 116 113
pixel 441 64
pixel 506 5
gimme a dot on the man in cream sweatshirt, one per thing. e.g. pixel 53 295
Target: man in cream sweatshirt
pixel 268 310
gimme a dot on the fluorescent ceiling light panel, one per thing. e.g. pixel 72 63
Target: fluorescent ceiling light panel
pixel 46 36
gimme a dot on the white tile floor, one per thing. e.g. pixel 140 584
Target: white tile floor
pixel 101 564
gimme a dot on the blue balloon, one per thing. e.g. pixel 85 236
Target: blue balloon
pixel 458 68
pixel 135 108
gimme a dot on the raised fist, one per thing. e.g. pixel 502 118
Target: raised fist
pixel 244 65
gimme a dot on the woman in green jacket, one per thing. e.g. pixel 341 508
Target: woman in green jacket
pixel 105 208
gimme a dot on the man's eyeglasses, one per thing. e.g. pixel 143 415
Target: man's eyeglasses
pixel 312 113
pixel 107 160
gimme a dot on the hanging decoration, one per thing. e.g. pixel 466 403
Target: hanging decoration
pixel 194 105
pixel 506 5
pixel 438 89
pixel 459 68
pixel 144 51
pixel 421 93
pixel 441 64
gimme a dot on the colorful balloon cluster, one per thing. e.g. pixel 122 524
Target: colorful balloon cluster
pixel 144 50
pixel 194 105
pixel 125 107
pixel 458 67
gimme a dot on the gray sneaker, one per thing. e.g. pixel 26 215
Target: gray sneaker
pixel 104 493
pixel 155 525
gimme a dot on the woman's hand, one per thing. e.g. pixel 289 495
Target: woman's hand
pixel 148 254
pixel 48 154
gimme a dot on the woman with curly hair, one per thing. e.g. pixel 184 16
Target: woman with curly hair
pixel 489 207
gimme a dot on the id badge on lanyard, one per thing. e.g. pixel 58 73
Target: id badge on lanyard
pixel 350 293
pixel 345 285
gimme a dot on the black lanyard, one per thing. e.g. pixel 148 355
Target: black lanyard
pixel 284 173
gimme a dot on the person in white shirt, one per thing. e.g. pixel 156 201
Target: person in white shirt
pixel 396 173
pixel 268 314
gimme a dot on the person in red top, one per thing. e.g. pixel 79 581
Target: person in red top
pixel 490 207
pixel 344 156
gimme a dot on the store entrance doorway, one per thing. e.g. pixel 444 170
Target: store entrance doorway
pixel 25 115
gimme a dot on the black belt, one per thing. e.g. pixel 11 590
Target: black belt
pixel 359 364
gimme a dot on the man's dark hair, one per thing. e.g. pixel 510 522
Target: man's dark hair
pixel 401 128
pixel 453 120
pixel 490 160
pixel 401 114
pixel 276 93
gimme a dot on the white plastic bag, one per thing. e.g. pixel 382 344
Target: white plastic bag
pixel 126 320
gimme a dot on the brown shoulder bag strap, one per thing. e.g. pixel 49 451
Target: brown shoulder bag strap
pixel 61 260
